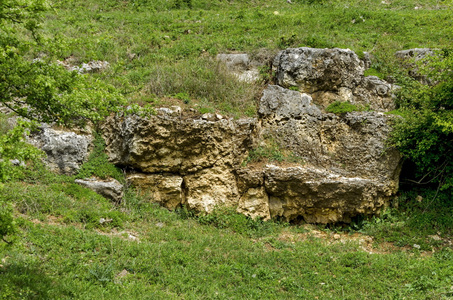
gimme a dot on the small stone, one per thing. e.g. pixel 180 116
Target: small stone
pixel 336 236
pixel 207 116
pixel 122 273
pixel 435 237
pixel 160 224
pixel 111 189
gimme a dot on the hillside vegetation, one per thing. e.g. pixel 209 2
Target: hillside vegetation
pixel 61 241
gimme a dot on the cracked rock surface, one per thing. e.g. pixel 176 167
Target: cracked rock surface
pixel 344 169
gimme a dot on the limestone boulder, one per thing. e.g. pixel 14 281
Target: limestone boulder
pixel 330 75
pixel 211 187
pixel 177 144
pixel 322 196
pixel 111 189
pixel 65 151
pixel 348 169
pixel 313 69
pixel 354 143
pixel 165 189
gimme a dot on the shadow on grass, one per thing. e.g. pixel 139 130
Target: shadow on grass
pixel 24 282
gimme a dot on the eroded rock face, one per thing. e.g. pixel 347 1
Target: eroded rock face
pixel 165 189
pixel 330 75
pixel 178 145
pixel 66 151
pixel 189 161
pixel 351 143
pixel 346 168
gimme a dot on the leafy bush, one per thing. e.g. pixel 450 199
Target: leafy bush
pixel 15 152
pixel 7 225
pixel 33 85
pixel 424 134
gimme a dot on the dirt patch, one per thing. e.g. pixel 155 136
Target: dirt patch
pixel 365 242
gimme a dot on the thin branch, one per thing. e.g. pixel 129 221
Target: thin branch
pixel 3 239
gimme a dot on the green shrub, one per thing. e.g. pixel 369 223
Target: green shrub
pixel 424 134
pixel 7 224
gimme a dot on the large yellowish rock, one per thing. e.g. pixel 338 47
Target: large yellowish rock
pixel 159 188
pixel 210 188
pixel 255 203
pixel 322 196
pixel 177 144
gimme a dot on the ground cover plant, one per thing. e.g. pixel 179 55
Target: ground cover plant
pixel 64 251
pixel 161 48
pixel 61 241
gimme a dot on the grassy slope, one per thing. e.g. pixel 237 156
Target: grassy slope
pixel 64 252
pixel 156 50
pixel 147 252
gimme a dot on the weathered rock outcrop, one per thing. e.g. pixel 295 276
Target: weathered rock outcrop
pixel 65 151
pixel 348 169
pixel 332 75
pixel 177 144
pixel 345 168
pixel 188 161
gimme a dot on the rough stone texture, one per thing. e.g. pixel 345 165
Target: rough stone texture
pixel 255 203
pixel 240 65
pixel 66 151
pixel 111 189
pixel 159 188
pixel 354 143
pixel 416 53
pixel 330 75
pixel 348 169
pixel 201 152
pixel 179 145
pixel 284 104
pixel 314 69
pixel 210 188
pixel 320 195
pixel 196 162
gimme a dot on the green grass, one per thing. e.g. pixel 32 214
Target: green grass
pixel 160 48
pixel 62 251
